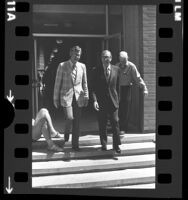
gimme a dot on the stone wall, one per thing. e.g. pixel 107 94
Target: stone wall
pixel 149 61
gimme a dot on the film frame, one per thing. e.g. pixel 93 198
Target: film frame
pixel 169 135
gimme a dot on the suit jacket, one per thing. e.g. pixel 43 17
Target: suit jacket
pixel 106 92
pixel 65 87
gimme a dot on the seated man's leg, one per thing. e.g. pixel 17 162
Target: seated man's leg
pixel 43 113
pixel 47 136
pixel 40 128
pixel 37 129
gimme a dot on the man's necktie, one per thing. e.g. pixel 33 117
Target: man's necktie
pixel 107 73
pixel 74 72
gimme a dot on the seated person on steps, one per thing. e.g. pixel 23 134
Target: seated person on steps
pixel 43 125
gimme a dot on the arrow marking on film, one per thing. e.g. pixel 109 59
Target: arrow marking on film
pixel 10 97
pixel 9 189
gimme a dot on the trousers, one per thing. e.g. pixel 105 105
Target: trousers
pixel 73 115
pixel 104 114
pixel 124 107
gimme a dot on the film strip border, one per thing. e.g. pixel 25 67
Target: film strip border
pixel 168 101
pixel 169 130
pixel 165 81
pixel 18 62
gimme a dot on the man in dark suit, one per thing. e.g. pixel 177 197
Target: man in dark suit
pixel 105 91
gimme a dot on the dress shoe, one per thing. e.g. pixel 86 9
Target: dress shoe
pixel 104 148
pixel 117 149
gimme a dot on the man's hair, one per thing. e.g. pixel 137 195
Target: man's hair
pixel 124 54
pixel 76 49
pixel 106 51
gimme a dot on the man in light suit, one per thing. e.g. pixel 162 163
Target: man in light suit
pixel 71 91
pixel 105 90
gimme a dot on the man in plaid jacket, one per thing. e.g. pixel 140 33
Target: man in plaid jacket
pixel 71 92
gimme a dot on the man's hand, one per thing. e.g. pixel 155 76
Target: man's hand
pixel 56 103
pixel 96 105
pixel 146 93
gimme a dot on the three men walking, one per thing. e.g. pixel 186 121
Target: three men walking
pixel 110 87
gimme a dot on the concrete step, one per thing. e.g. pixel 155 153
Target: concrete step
pixel 92 165
pixel 94 140
pixel 97 179
pixel 94 151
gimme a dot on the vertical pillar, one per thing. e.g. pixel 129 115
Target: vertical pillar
pixel 35 76
pixel 107 25
pixel 131 44
pixel 149 70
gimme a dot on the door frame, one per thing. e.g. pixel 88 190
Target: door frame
pixel 105 42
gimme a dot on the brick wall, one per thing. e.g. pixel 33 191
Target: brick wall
pixel 149 60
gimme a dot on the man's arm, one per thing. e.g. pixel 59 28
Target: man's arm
pixel 57 85
pixel 137 79
pixel 93 89
pixel 118 85
pixel 84 83
pixel 94 96
pixel 85 86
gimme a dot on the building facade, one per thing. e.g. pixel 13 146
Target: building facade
pixel 96 27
